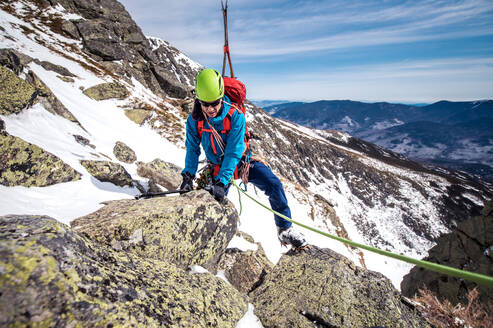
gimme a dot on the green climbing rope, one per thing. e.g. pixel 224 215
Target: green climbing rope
pixel 471 276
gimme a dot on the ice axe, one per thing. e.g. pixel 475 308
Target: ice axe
pixel 148 195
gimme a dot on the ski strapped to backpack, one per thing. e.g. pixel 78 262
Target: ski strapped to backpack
pixel 235 90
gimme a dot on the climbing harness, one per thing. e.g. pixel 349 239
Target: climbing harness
pixel 468 275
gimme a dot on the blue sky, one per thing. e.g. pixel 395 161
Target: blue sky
pixel 396 51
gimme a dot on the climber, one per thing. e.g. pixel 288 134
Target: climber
pixel 226 149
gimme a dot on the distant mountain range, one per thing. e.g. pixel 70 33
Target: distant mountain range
pixel 458 135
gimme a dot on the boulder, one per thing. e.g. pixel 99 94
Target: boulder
pixel 192 229
pixel 469 247
pixel 25 164
pixel 51 276
pixel 139 116
pixel 318 287
pixel 245 270
pixel 124 153
pixel 105 91
pixel 106 171
pixel 163 173
pixel 15 93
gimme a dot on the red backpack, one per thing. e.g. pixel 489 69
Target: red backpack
pixel 235 90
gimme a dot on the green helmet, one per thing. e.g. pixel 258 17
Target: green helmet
pixel 209 85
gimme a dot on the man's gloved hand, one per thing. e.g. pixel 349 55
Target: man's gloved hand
pixel 187 184
pixel 218 191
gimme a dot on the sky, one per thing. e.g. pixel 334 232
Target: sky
pixel 398 51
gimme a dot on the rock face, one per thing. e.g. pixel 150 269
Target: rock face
pixel 124 153
pixel 25 164
pixel 106 171
pixel 321 288
pixel 51 276
pixel 109 34
pixel 192 229
pixel 105 91
pixel 15 93
pixel 163 173
pixel 469 247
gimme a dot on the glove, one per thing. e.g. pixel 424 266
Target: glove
pixel 218 191
pixel 187 184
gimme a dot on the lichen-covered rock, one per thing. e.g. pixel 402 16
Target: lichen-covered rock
pixel 25 164
pixel 245 270
pixel 124 153
pixel 107 91
pixel 49 101
pixel 321 288
pixel 51 276
pixel 15 93
pixel 106 171
pixel 139 116
pixel 163 173
pixel 469 247
pixel 192 229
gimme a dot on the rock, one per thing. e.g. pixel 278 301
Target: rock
pixel 163 173
pixel 100 38
pixel 83 141
pixel 106 171
pixel 55 68
pixel 15 93
pixel 14 60
pixel 105 91
pixel 468 248
pixel 139 116
pixel 192 229
pixel 49 101
pixel 245 270
pixel 25 164
pixel 66 79
pixel 321 288
pixel 53 277
pixel 70 29
pixel 124 153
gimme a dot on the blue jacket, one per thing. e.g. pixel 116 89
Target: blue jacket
pixel 234 141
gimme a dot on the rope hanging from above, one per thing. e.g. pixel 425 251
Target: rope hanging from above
pixel 226 43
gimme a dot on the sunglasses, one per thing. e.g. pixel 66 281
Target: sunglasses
pixel 208 104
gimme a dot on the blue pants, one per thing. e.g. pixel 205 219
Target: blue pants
pixel 263 178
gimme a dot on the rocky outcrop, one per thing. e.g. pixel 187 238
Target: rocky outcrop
pixel 18 93
pixel 109 34
pixel 321 288
pixel 106 171
pixel 105 91
pixel 25 164
pixel 15 93
pixel 124 153
pixel 469 247
pixel 49 101
pixel 192 229
pixel 51 276
pixel 160 172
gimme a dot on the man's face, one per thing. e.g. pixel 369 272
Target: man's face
pixel 211 109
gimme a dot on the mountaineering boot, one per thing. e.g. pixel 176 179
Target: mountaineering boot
pixel 290 236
